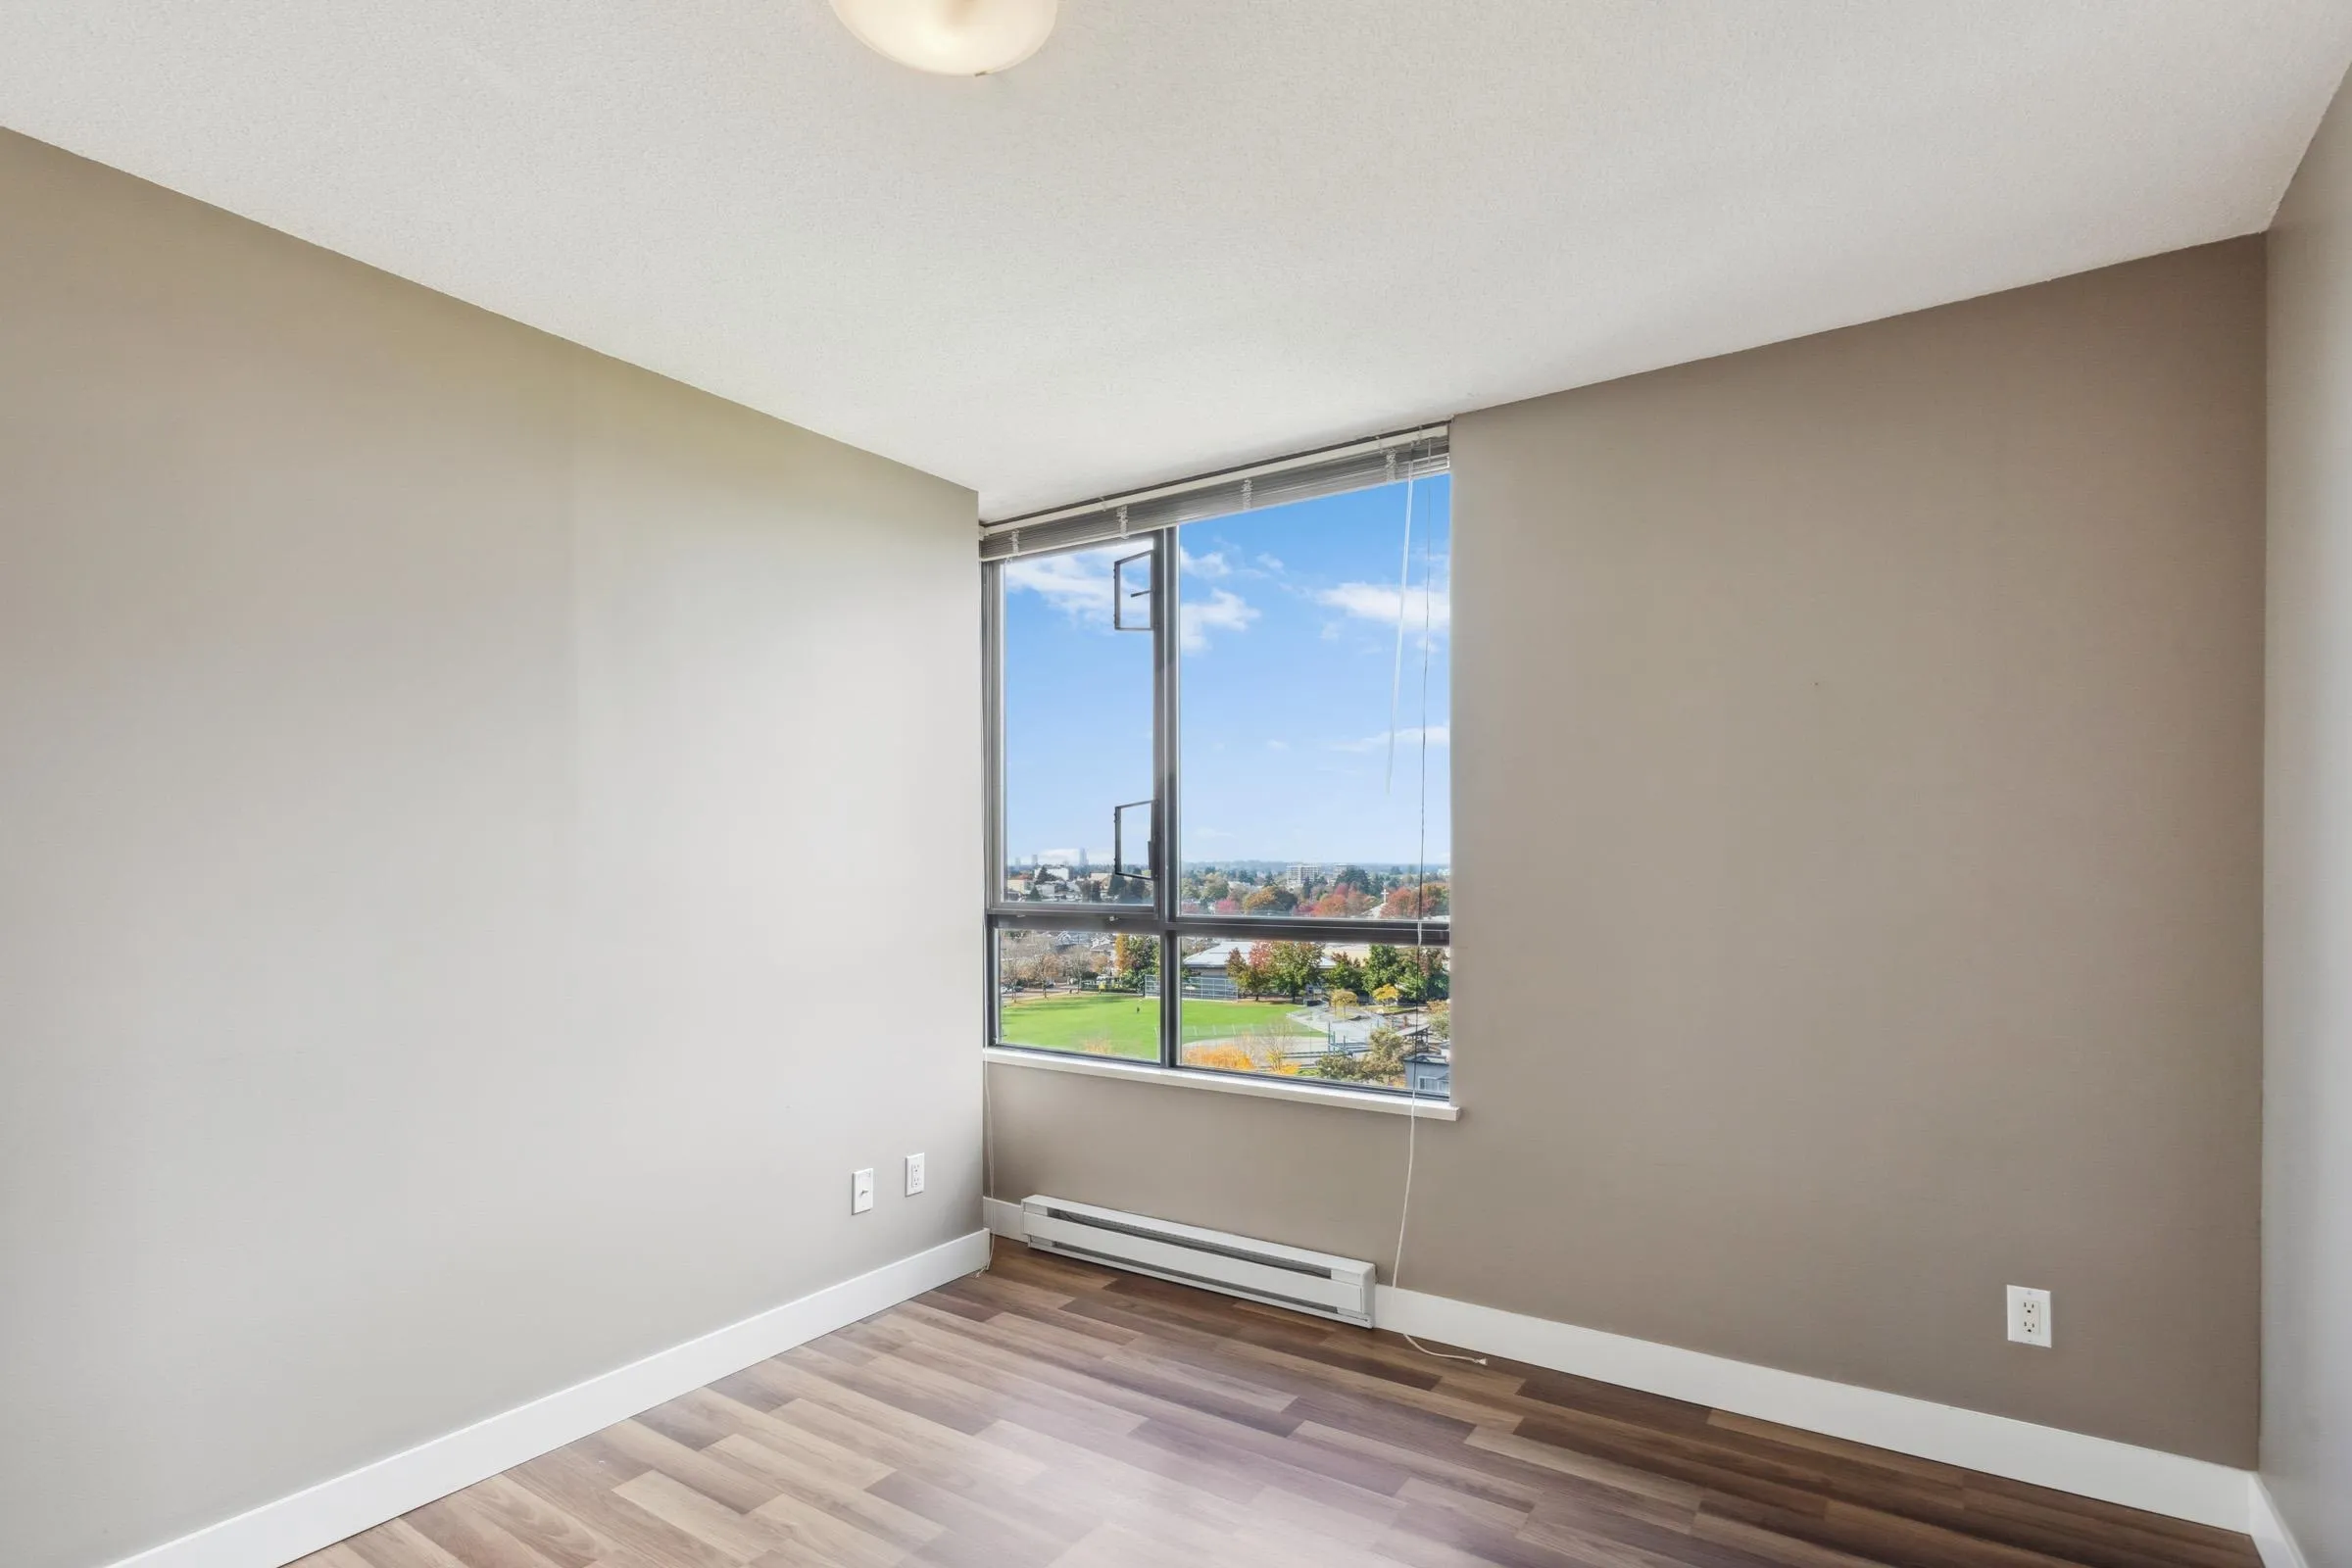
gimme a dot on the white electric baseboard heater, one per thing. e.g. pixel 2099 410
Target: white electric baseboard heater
pixel 1339 1288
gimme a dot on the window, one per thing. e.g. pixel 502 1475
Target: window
pixel 1093 991
pixel 1219 728
pixel 1079 768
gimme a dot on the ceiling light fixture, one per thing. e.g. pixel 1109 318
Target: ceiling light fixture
pixel 950 38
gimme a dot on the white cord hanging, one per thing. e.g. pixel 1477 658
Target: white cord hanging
pixel 1412 1114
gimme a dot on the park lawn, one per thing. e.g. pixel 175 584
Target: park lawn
pixel 1122 1024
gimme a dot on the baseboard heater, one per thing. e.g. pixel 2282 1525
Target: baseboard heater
pixel 1337 1287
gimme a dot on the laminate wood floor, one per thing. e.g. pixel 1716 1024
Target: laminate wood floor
pixel 1046 1412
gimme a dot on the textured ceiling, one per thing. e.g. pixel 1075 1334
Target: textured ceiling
pixel 1194 231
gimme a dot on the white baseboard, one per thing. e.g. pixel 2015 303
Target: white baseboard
pixel 2168 1483
pixel 278 1533
pixel 2272 1537
pixel 2162 1483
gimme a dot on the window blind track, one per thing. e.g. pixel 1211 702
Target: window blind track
pixel 1416 453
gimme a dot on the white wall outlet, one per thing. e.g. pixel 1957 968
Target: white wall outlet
pixel 914 1174
pixel 862 1190
pixel 2030 1315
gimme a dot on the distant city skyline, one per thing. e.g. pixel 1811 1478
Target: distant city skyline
pixel 1074 857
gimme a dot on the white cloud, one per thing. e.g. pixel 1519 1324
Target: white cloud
pixel 1222 610
pixel 1212 564
pixel 1407 740
pixel 1270 563
pixel 1079 584
pixel 1371 601
pixel 1278 746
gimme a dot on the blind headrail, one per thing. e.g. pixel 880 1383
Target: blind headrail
pixel 1351 465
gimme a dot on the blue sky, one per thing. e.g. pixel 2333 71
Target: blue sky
pixel 1290 665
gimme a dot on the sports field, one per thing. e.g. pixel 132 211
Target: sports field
pixel 1116 1024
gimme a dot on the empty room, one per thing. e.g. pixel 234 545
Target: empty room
pixel 751 750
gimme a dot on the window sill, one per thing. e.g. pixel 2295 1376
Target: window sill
pixel 1141 1072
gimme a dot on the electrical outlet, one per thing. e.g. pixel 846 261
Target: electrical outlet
pixel 914 1174
pixel 2030 1315
pixel 862 1190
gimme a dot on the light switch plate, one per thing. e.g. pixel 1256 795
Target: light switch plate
pixel 861 1191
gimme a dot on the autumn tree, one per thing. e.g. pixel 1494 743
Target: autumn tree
pixel 1271 900
pixel 1410 903
pixel 1384 1053
pixel 1428 967
pixel 1134 959
pixel 1250 973
pixel 1384 965
pixel 1265 966
pixel 1291 966
pixel 1418 974
pixel 1344 903
pixel 1336 1065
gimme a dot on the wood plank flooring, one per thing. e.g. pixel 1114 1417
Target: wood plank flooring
pixel 1051 1413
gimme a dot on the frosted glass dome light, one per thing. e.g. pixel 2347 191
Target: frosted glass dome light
pixel 950 38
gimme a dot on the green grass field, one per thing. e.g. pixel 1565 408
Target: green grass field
pixel 1116 1025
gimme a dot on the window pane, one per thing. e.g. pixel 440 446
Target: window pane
pixel 1077 727
pixel 1371 1014
pixel 1315 679
pixel 1080 990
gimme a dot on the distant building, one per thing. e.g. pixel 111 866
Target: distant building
pixel 1428 1074
pixel 1204 971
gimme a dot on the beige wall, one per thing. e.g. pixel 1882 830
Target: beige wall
pixel 2307 909
pixel 1858 864
pixel 461 796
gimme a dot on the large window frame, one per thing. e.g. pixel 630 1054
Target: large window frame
pixel 1191 502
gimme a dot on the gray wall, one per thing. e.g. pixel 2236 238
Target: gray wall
pixel 483 853
pixel 2307 907
pixel 1857 848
